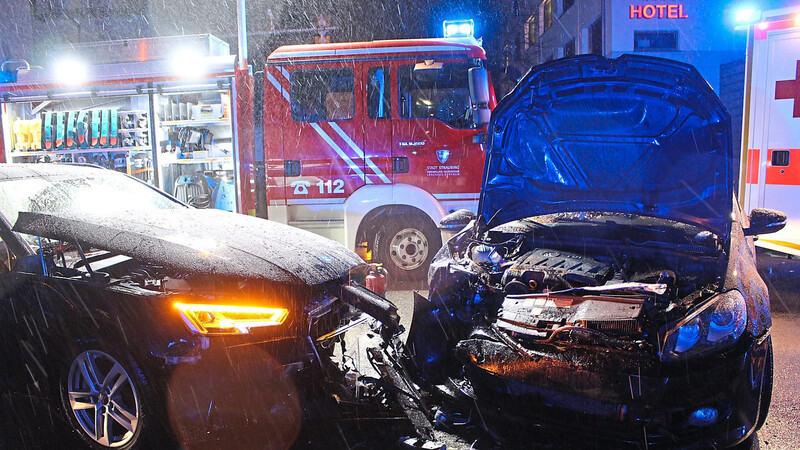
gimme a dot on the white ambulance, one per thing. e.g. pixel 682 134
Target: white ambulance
pixel 770 168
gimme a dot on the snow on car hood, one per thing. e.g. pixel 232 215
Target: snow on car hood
pixel 203 242
pixel 636 134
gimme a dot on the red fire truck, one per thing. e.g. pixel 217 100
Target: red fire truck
pixel 368 143
pixel 372 143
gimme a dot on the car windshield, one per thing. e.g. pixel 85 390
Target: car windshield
pixel 99 192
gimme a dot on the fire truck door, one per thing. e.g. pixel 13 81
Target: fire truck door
pixel 323 135
pixel 430 136
pixel 378 123
pixel 780 148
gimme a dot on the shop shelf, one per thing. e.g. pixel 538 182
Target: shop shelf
pixel 80 150
pixel 221 160
pixel 194 122
pixel 132 129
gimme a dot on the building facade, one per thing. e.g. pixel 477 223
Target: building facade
pixel 698 32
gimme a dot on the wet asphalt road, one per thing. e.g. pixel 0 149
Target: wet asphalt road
pixel 782 429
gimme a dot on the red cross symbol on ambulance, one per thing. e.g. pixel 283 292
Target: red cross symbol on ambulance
pixel 790 89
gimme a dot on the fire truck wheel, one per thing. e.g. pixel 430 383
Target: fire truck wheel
pixel 406 245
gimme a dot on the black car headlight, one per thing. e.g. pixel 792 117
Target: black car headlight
pixel 714 325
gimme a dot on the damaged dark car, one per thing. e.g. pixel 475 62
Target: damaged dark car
pixel 131 320
pixel 606 294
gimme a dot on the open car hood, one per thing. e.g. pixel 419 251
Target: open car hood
pixel 636 134
pixel 203 242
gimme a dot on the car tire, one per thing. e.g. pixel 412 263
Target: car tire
pixel 406 245
pixel 766 388
pixel 107 398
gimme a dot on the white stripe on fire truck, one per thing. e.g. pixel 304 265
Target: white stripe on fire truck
pixel 341 133
pixel 339 151
pixel 457 196
pixel 359 152
pixel 316 201
pixel 278 86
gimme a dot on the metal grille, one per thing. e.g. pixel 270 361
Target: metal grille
pixel 614 326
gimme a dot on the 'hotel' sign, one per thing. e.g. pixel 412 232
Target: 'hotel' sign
pixel 657 12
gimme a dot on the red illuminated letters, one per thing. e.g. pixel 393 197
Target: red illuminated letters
pixel 672 11
pixel 662 11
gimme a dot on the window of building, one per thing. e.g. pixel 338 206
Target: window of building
pixel 569 49
pixel 530 31
pixel 596 37
pixel 655 41
pixel 322 95
pixel 441 94
pixel 547 15
pixel 567 5
pixel 379 103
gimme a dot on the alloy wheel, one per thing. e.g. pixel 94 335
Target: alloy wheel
pixel 103 398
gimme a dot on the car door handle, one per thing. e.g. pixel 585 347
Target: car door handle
pixel 400 164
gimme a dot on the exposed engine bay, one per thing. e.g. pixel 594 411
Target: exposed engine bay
pixel 543 285
pixel 568 304
pixel 611 281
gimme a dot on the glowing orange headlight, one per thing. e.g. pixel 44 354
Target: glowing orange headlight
pixel 224 319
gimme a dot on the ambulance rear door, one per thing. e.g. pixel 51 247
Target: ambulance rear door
pixel 773 166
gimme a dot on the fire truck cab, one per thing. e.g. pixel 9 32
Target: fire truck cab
pixel 373 143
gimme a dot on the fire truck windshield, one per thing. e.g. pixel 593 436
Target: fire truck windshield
pixel 436 93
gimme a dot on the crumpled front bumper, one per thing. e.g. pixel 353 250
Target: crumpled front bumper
pixel 618 398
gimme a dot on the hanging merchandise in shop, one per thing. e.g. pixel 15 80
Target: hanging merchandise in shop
pixel 137 108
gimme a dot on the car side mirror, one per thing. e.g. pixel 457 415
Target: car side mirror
pixel 457 220
pixel 479 95
pixel 482 116
pixel 764 221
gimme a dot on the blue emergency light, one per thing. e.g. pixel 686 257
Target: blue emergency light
pixel 459 28
pixel 747 16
